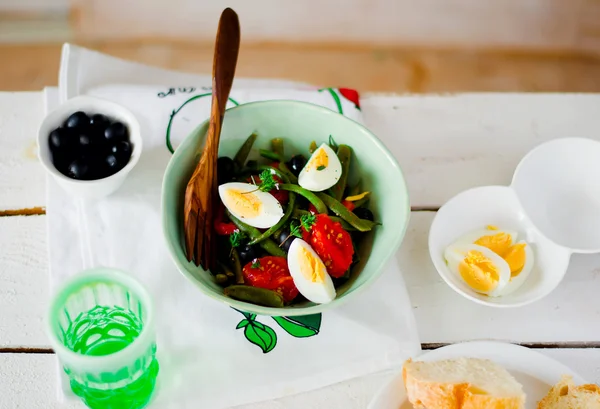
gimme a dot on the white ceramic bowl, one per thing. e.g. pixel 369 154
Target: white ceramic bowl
pixel 496 205
pixel 89 189
pixel 554 205
pixel 558 186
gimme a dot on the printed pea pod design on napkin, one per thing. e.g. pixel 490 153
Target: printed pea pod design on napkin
pixel 265 337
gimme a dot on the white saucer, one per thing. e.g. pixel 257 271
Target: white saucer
pixel 536 372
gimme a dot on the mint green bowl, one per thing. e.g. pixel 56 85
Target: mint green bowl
pixel 298 123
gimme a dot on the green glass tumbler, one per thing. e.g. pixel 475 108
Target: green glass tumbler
pixel 101 326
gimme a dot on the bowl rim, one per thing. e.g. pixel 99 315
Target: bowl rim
pixel 67 108
pixel 390 250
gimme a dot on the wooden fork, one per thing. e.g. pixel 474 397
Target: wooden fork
pixel 201 195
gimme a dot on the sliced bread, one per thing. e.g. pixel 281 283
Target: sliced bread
pixel 565 395
pixel 462 383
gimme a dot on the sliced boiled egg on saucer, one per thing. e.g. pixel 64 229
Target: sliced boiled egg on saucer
pixel 520 260
pixel 518 255
pixel 309 273
pixel 322 171
pixel 251 205
pixel 479 267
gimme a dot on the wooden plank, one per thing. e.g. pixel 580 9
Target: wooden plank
pixel 24 281
pixel 549 24
pixel 22 180
pixel 569 314
pixel 445 144
pixel 29 381
pixel 369 67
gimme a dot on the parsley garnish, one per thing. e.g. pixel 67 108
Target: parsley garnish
pixel 236 238
pixel 307 220
pixel 267 182
pixel 321 167
pixel 295 230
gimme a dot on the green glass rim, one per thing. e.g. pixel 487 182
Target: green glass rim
pixel 100 362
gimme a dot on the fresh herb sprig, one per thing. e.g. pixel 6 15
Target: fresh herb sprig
pixel 307 221
pixel 267 182
pixel 236 238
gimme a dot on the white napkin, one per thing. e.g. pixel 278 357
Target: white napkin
pixel 205 362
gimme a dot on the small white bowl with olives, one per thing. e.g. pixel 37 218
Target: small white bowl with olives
pixel 89 145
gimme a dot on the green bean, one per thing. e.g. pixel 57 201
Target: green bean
pixel 265 153
pixel 312 147
pixel 225 270
pixel 268 245
pixel 254 295
pixel 356 189
pixel 237 266
pixel 310 196
pixel 284 169
pixel 221 279
pixel 344 154
pixel 341 210
pixel 277 146
pixel 280 223
pixel 242 154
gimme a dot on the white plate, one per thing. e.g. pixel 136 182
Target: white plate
pixel 536 372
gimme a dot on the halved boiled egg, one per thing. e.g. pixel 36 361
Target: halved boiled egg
pixel 479 267
pixel 520 260
pixel 322 170
pixel 309 273
pixel 499 241
pixel 518 255
pixel 251 205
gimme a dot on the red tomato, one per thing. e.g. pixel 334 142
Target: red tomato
pixel 223 228
pixel 272 273
pixel 333 244
pixel 349 205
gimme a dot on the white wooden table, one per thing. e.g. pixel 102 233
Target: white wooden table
pixel 450 143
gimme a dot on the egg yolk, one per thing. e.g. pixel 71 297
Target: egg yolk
pixel 311 268
pixel 320 160
pixel 247 205
pixel 479 272
pixel 515 257
pixel 499 243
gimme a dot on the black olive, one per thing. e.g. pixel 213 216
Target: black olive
pixel 247 253
pixel 59 139
pixel 296 164
pixel 225 170
pixel 85 141
pixel 78 169
pixel 364 213
pixel 122 151
pixel 285 238
pixel 111 161
pixel 77 120
pixel 116 132
pixel 99 121
pixel 61 161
